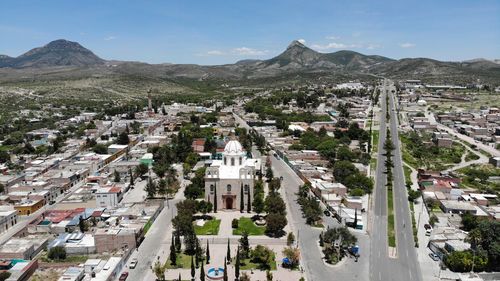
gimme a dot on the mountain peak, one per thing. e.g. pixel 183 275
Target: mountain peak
pixel 56 53
pixel 296 43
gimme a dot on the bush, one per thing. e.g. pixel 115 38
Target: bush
pixel 234 223
pixel 57 253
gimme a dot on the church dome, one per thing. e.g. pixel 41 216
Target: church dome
pixel 233 147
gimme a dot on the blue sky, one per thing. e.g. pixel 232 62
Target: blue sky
pixel 217 32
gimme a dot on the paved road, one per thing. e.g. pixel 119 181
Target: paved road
pixel 407 263
pixel 380 267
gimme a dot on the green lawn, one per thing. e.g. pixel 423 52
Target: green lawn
pixel 413 223
pixel 246 264
pixel 471 156
pixel 373 163
pixel 391 233
pixel 246 224
pixel 183 261
pixel 407 172
pixel 210 227
pixel 147 226
pixel 375 134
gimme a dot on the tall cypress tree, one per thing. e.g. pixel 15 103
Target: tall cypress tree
pixel 193 272
pixel 215 198
pixel 237 265
pixel 202 272
pixel 249 201
pixel 208 253
pixel 173 253
pixel 178 244
pixel 242 201
pixel 225 270
pixel 228 254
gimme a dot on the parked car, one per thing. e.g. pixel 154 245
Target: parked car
pixel 133 263
pixel 427 226
pixel 327 213
pixel 434 256
pixel 124 276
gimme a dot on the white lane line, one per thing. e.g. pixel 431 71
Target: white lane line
pixel 379 276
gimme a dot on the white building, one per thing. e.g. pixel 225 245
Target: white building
pixel 225 178
pixel 108 196
pixel 8 218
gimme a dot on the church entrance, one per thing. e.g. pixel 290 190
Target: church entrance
pixel 229 203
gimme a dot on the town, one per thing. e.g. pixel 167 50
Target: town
pixel 361 180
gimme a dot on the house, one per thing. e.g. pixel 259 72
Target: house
pixel 8 218
pixel 28 206
pixel 108 196
pixel 457 207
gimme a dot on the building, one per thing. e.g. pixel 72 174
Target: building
pixel 28 207
pixel 8 218
pixel 73 274
pixel 225 178
pixel 108 196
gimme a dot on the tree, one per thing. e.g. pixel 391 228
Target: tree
pixel 275 204
pixel 237 265
pixel 131 177
pixel 159 271
pixel 276 222
pixel 263 256
pixel 293 255
pixel 469 222
pixel 207 253
pixel 224 277
pixel 202 272
pixel 162 187
pixel 177 241
pixel 100 149
pixel 244 277
pixel 290 239
pixel 215 199
pixel 269 173
pixel 123 138
pixel 343 169
pixel 173 252
pixel 269 276
pixel 258 203
pixel 228 252
pixel 150 188
pixel 82 225
pixel 193 271
pixel 116 175
pixel 413 195
pixel 5 275
pixel 141 169
pixel 433 220
pixel 242 201
pixel 57 253
pixel 190 244
pixel 249 202
pixel 244 248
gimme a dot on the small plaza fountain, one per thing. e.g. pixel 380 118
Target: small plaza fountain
pixel 215 273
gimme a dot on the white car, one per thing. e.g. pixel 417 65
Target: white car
pixel 133 263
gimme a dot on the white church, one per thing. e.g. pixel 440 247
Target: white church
pixel 224 178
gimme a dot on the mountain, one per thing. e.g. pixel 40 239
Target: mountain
pixel 296 61
pixel 56 53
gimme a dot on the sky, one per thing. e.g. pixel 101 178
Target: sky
pixel 219 32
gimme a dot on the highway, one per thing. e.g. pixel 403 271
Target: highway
pixel 404 266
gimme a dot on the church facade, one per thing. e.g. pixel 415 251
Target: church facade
pixel 225 178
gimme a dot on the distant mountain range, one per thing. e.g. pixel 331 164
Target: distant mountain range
pixel 297 59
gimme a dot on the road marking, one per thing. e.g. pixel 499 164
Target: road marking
pixel 379 276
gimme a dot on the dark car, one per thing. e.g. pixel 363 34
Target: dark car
pixel 327 213
pixel 427 226
pixel 124 276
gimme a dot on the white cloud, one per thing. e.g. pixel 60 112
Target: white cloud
pixel 332 37
pixel 329 46
pixel 109 38
pixel 302 41
pixel 406 45
pixel 215 53
pixel 248 51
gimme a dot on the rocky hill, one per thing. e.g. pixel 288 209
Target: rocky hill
pixel 297 60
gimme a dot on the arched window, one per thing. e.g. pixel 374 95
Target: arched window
pixel 228 188
pixel 212 188
pixel 241 161
pixel 247 188
pixel 232 161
